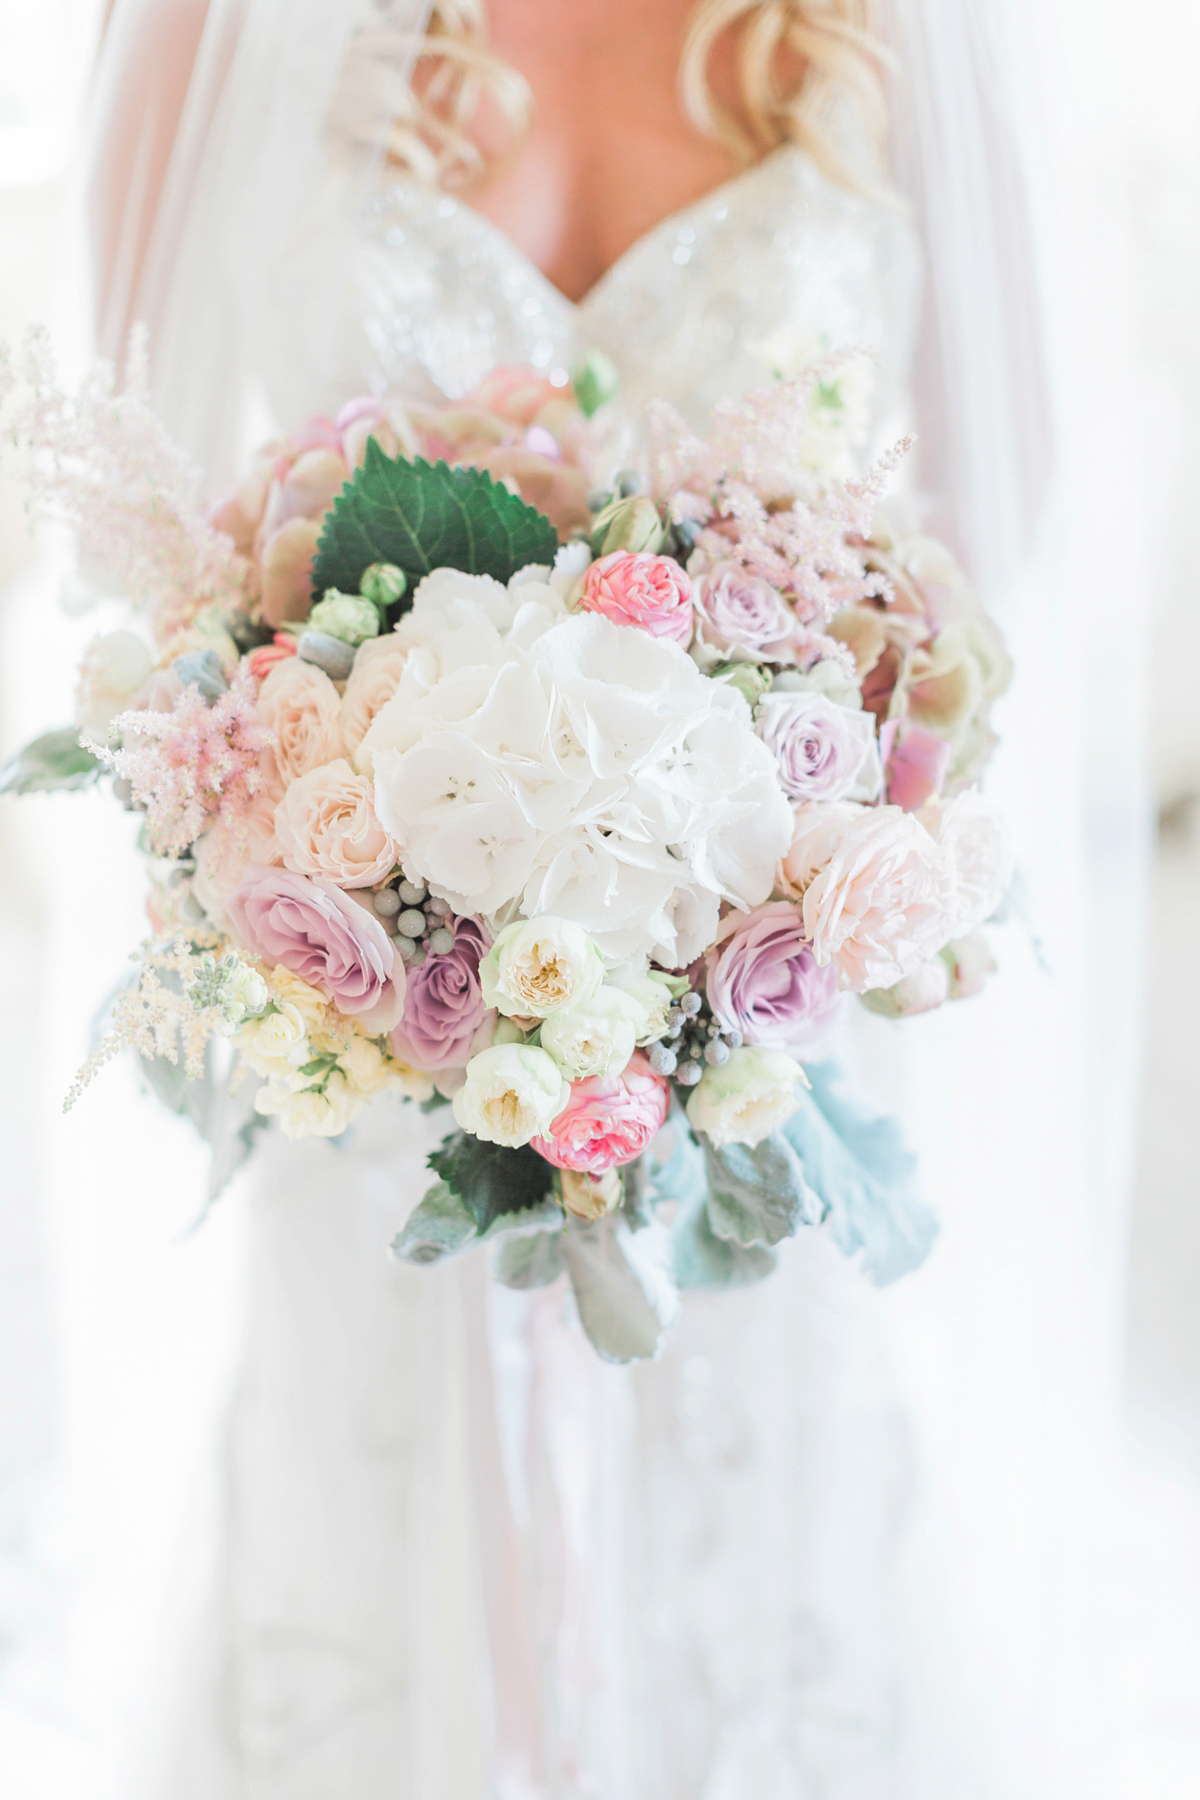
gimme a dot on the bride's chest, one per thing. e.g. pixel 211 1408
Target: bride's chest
pixel 769 269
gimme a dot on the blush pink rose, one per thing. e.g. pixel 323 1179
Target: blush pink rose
pixel 378 666
pixel 226 850
pixel 609 1119
pixel 312 928
pixel 326 825
pixel 267 656
pixel 632 587
pixel 301 706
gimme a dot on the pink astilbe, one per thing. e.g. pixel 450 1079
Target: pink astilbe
pixel 196 761
pixel 747 485
pixel 103 463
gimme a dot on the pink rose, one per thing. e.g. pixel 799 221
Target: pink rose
pixel 764 981
pixel 301 706
pixel 916 763
pixel 326 825
pixel 823 751
pixel 325 937
pixel 378 666
pixel 877 891
pixel 632 587
pixel 443 1004
pixel 267 656
pixel 514 393
pixel 609 1119
pixel 744 616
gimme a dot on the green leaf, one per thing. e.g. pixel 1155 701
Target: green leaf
pixel 859 1167
pixel 757 1193
pixel 528 1261
pixel 55 760
pixel 625 1303
pixel 703 1260
pixel 489 1179
pixel 422 516
pixel 442 1225
pixel 438 1227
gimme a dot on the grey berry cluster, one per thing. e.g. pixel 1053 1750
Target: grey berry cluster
pixel 418 922
pixel 693 1037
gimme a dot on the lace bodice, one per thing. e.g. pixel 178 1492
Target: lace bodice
pixel 439 296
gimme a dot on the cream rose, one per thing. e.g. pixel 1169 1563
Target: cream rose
pixel 302 708
pixel 378 666
pixel 326 825
pixel 745 1099
pixel 877 892
pixel 512 1093
pixel 596 1037
pixel 114 667
pixel 275 1046
pixel 309 1001
pixel 310 1112
pixel 539 966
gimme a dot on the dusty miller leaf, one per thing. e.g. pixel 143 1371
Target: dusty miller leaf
pixel 56 760
pixel 857 1162
pixel 625 1302
pixel 528 1261
pixel 442 1225
pixel 757 1193
pixel 423 516
pixel 703 1260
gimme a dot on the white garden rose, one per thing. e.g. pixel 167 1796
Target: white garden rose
pixel 276 1043
pixel 596 1036
pixel 980 849
pixel 511 1094
pixel 115 665
pixel 310 1112
pixel 539 966
pixel 745 1099
pixel 654 992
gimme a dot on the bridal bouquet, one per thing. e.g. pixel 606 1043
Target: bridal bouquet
pixel 582 812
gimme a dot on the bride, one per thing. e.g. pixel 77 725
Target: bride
pixel 458 1555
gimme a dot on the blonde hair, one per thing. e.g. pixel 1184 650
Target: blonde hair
pixel 837 62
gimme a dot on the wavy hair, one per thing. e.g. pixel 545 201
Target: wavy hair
pixel 803 68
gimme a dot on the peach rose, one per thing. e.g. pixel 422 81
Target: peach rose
pixel 302 708
pixel 378 666
pixel 878 893
pixel 225 851
pixel 326 825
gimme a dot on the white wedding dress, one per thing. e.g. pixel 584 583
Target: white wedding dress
pixel 800 1556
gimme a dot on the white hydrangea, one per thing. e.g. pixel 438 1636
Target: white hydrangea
pixel 569 766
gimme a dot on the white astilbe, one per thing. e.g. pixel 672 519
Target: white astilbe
pixel 102 462
pixel 156 1015
pixel 758 502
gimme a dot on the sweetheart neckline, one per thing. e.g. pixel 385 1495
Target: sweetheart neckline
pixel 735 183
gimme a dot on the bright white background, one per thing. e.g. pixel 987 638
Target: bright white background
pixel 106 1294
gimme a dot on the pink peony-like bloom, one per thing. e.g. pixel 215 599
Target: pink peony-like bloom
pixel 312 928
pixel 632 587
pixel 378 666
pixel 443 1004
pixel 877 891
pixel 515 392
pixel 743 616
pixel 915 761
pixel 764 981
pixel 609 1119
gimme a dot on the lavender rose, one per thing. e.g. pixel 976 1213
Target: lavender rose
pixel 824 751
pixel 311 927
pixel 764 981
pixel 443 1003
pixel 743 616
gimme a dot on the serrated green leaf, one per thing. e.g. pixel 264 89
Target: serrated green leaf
pixel 490 1179
pixel 423 516
pixel 55 760
pixel 757 1193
